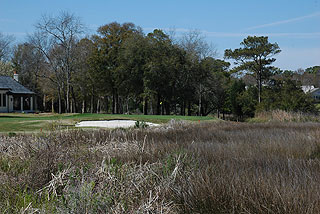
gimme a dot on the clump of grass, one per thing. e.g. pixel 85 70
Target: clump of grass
pixel 140 124
pixel 12 134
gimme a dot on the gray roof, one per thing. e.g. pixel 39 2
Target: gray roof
pixel 13 86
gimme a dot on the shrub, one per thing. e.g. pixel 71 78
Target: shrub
pixel 141 124
pixel 12 134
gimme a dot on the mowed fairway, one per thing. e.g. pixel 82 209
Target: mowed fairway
pixel 14 122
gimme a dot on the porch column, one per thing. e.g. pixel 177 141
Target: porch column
pixel 35 103
pixel 21 99
pixel 31 103
pixel 7 102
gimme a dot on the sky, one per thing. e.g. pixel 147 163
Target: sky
pixel 293 24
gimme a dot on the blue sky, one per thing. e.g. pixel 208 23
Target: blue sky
pixel 293 24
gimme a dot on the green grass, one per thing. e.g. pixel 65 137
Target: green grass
pixel 15 122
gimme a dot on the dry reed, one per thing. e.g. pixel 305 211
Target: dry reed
pixel 221 167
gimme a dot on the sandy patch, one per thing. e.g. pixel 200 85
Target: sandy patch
pixel 111 124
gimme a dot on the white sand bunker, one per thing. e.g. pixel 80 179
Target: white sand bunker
pixel 111 124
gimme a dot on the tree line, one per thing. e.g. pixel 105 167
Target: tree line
pixel 121 69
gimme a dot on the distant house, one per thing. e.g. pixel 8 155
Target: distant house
pixel 14 97
pixel 314 92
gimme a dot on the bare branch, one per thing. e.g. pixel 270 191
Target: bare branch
pixel 5 49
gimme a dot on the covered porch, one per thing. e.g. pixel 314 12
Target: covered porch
pixel 22 103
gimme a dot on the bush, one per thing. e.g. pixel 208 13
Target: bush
pixel 141 124
pixel 12 134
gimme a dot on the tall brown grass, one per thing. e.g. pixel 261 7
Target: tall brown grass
pixel 285 116
pixel 220 167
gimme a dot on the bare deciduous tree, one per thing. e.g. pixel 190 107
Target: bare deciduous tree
pixel 56 38
pixel 5 49
pixel 194 43
pixel 197 49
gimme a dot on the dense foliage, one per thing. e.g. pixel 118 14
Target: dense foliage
pixel 256 56
pixel 123 70
pixel 286 95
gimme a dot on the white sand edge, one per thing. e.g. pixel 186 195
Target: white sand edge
pixel 111 124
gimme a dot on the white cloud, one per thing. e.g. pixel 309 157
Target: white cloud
pixel 241 35
pixel 285 21
pixel 295 35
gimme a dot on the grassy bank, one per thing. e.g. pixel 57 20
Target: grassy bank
pixel 45 122
pixel 183 167
pixel 284 116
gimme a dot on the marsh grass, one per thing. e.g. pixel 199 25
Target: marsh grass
pixel 183 167
pixel 284 116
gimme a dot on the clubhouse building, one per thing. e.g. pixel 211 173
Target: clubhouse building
pixel 14 97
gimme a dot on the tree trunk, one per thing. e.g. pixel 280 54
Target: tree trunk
pixel 260 86
pixel 117 102
pixel 98 106
pixel 92 100
pixel 145 108
pixel 189 108
pixel 52 105
pixel 200 100
pixel 120 105
pixel 59 100
pixel 113 102
pixel 44 102
pixel 127 105
pixel 83 106
pixel 115 99
pixel 167 108
pixel 184 108
pixel 158 104
pixel 74 102
pixel 151 109
pixel 162 108
pixel 107 104
pixel 67 97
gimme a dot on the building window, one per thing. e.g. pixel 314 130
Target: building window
pixel 4 100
